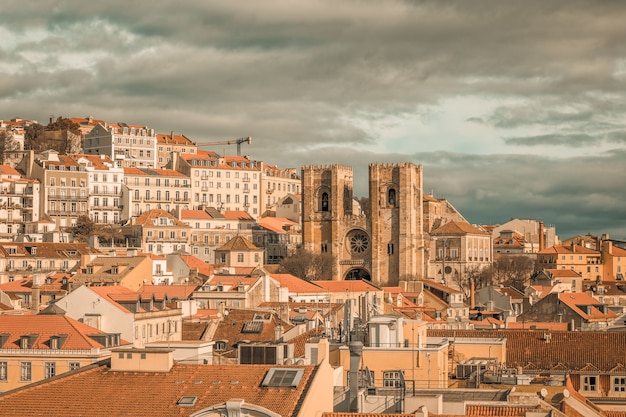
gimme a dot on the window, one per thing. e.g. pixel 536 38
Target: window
pixel 324 201
pixel 4 371
pixel 393 379
pixel 619 384
pixel 590 383
pixel 324 248
pixel 49 369
pixel 25 371
pixel 240 257
pixel 391 197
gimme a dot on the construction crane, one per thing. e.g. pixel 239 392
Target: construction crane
pixel 237 142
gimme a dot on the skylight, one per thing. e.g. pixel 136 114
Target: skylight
pixel 187 401
pixel 282 378
pixel 252 326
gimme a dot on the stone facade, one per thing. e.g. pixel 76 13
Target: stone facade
pixel 385 244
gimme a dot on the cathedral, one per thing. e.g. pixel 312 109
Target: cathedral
pixel 394 239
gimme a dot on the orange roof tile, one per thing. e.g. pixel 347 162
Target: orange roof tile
pixel 44 326
pixel 237 215
pixel 238 243
pixel 297 285
pixel 457 228
pixel 195 214
pixel 181 292
pixel 350 285
pixel 104 392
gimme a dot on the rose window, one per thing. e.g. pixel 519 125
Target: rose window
pixel 359 242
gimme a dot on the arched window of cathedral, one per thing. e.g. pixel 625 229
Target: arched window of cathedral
pixel 391 197
pixel 324 201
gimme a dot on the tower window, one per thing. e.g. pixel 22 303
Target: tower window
pixel 390 248
pixel 391 197
pixel 324 201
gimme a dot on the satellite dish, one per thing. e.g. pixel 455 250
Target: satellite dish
pixel 544 393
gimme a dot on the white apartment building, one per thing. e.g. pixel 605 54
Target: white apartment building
pixel 63 191
pixel 145 189
pixel 133 146
pixel 105 187
pixel 276 184
pixel 228 183
pixel 211 229
pixel 168 143
pixel 19 202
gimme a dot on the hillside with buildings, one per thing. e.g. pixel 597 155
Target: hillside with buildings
pixel 150 276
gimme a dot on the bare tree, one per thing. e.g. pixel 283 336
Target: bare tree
pixel 309 266
pixel 8 146
pixel 514 271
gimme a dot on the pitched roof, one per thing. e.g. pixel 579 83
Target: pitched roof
pixel 195 214
pixel 297 285
pixel 233 328
pixel 349 285
pixel 561 249
pixel 145 219
pixel 238 243
pixel 197 263
pixel 577 300
pixel 457 228
pixel 275 224
pixel 44 326
pixel 181 292
pixel 604 350
pixel 101 391
pixel 237 215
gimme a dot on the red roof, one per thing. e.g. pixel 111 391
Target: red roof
pixel 43 327
pixel 297 285
pixel 355 285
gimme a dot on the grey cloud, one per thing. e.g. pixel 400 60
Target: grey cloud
pixel 296 79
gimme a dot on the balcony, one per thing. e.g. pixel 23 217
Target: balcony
pixel 246 179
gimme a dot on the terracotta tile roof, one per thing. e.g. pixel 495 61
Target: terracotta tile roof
pixel 578 302
pixel 200 154
pixel 115 393
pixel 171 138
pixel 181 292
pixel 349 285
pixel 202 267
pixel 194 330
pixel 604 350
pixel 52 284
pixel 297 285
pixel 43 327
pixel 195 214
pixel 431 283
pixel 237 215
pixel 498 411
pixel 48 250
pixel 276 224
pixel 238 243
pixel 231 282
pixel 560 249
pixel 537 325
pixel 7 170
pixel 457 228
pixel 563 273
pixel 231 329
pixel 146 218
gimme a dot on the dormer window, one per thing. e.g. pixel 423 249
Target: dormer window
pixel 590 383
pixel 114 270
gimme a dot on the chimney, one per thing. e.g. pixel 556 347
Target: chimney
pixel 356 349
pixel 472 295
pixel 542 242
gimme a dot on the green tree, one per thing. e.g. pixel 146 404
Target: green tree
pixel 83 228
pixel 309 266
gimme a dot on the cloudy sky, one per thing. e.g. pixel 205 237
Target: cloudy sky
pixel 515 109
